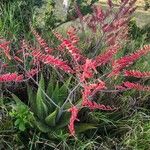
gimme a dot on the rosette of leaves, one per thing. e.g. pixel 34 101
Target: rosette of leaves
pixel 44 115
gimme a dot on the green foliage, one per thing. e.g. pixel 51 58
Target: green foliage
pixel 138 133
pixel 22 116
pixel 41 107
pixel 15 18
pixel 139 34
pixel 44 113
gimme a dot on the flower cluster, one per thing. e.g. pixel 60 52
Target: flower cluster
pixel 41 41
pixel 128 60
pixel 136 86
pixel 74 112
pixel 102 59
pixel 69 44
pixel 49 59
pixel 9 77
pixel 137 74
pixel 117 27
pixel 5 47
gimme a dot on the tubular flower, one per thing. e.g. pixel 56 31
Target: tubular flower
pixel 49 59
pixel 74 51
pixel 99 86
pixel 137 74
pixel 105 57
pixel 58 36
pixel 18 59
pixel 41 41
pixel 31 73
pixel 91 89
pixel 93 105
pixel 87 94
pixel 74 112
pixel 6 49
pixel 88 68
pixel 73 35
pixel 11 77
pixel 128 60
pixel 136 86
pixel 98 13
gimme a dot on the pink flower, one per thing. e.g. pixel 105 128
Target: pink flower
pixel 74 51
pixel 11 77
pixel 73 35
pixel 136 86
pixel 6 49
pixel 31 73
pixel 128 60
pixel 74 112
pixel 49 59
pixel 18 59
pixel 88 70
pixel 106 56
pixel 136 73
pixel 41 41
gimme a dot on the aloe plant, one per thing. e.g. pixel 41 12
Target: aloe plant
pixel 45 113
pixel 46 116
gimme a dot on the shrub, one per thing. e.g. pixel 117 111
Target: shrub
pixel 85 69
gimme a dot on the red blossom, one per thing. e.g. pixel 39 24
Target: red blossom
pixel 106 56
pixel 128 60
pixel 136 73
pixel 93 105
pixel 136 86
pixel 49 59
pixel 74 112
pixel 18 59
pixel 31 73
pixel 74 51
pixel 41 41
pixel 73 35
pixel 6 49
pixel 11 77
pixel 87 69
pixel 89 91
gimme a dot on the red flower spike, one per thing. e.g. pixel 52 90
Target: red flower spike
pixel 6 49
pixel 11 77
pixel 128 60
pixel 93 105
pixel 87 68
pixel 41 41
pixel 73 35
pixel 75 52
pixel 106 56
pixel 74 112
pixel 31 73
pixel 137 74
pixel 18 59
pixel 49 59
pixel 136 86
